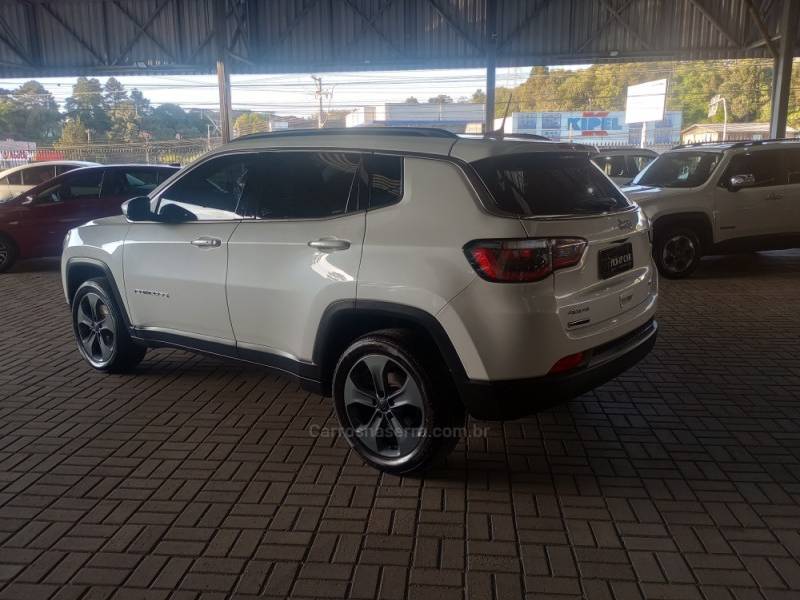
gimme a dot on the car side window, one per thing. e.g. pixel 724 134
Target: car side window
pixel 61 169
pixel 384 174
pixel 78 186
pixel 130 183
pixel 14 179
pixel 37 175
pixel 765 166
pixel 613 166
pixel 301 185
pixel 213 190
pixel 639 162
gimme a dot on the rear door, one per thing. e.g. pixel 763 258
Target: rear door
pixel 297 250
pixel 57 208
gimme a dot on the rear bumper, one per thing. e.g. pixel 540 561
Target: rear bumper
pixel 515 398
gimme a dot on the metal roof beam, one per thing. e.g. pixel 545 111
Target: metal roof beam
pixel 715 23
pixel 617 16
pixel 142 30
pixel 602 27
pixel 370 22
pixel 456 25
pixel 74 34
pixel 751 7
pixel 526 22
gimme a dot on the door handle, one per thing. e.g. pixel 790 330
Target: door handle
pixel 329 244
pixel 207 242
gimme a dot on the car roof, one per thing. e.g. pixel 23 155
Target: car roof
pixel 46 163
pixel 624 151
pixel 412 140
pixel 736 144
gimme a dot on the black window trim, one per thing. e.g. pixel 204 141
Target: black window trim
pixel 726 175
pixel 369 207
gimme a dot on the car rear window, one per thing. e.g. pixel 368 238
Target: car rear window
pixel 539 184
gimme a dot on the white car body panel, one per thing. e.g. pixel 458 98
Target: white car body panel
pixel 8 191
pixel 174 286
pixel 279 287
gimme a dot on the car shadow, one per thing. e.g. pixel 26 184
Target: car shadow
pixel 36 265
pixel 752 264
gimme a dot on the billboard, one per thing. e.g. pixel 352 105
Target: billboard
pixel 596 127
pixel 645 101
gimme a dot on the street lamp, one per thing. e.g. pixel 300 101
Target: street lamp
pixel 712 110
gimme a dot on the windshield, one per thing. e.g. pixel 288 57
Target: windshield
pixel 679 169
pixel 539 183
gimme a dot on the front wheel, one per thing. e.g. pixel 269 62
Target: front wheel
pixel 103 340
pixel 396 407
pixel 8 253
pixel 677 252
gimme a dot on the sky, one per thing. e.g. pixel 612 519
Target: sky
pixel 294 93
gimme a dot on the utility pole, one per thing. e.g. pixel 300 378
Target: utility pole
pixel 320 94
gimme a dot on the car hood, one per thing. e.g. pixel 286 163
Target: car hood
pixel 641 194
pixel 113 220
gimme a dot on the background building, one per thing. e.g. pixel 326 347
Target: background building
pixel 597 127
pixel 712 132
pixel 454 116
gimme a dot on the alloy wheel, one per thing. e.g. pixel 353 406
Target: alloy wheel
pixel 3 253
pixel 97 331
pixel 384 405
pixel 678 253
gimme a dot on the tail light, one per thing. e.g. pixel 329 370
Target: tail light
pixel 568 363
pixel 516 261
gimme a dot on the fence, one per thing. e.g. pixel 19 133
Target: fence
pixel 180 152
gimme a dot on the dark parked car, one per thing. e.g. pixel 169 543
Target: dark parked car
pixel 34 223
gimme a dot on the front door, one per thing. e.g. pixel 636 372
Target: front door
pixel 753 211
pixel 175 268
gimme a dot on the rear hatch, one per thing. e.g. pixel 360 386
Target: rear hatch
pixel 562 195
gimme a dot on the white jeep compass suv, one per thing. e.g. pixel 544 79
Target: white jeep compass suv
pixel 411 274
pixel 716 198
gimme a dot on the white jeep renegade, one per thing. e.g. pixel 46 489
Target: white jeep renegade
pixel 409 273
pixel 716 198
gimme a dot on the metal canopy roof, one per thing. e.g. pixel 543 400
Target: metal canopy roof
pixel 58 37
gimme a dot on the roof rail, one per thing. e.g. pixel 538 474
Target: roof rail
pixel 430 132
pixel 735 143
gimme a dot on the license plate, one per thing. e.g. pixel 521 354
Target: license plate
pixel 615 260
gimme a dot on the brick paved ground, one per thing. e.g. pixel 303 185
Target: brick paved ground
pixel 199 478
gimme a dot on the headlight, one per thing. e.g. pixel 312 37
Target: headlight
pixel 64 243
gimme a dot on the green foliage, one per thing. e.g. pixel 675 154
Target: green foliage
pixel 745 84
pixel 88 104
pixel 441 99
pixel 411 100
pixel 250 122
pixel 73 133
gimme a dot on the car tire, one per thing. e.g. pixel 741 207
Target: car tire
pixel 677 252
pixel 8 253
pixel 396 405
pixel 100 331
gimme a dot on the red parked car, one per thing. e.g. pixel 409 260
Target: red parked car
pixel 34 223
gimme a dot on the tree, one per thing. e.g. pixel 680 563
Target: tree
pixel 411 100
pixel 73 133
pixel 441 99
pixel 87 103
pixel 170 121
pixel 250 122
pixel 114 92
pixel 478 97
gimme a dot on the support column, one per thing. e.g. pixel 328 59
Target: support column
pixel 782 74
pixel 223 77
pixel 224 83
pixel 491 64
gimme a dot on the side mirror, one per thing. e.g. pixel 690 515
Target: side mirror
pixel 138 209
pixel 738 182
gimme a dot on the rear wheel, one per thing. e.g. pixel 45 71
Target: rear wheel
pixel 677 252
pixel 103 340
pixel 395 405
pixel 8 253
